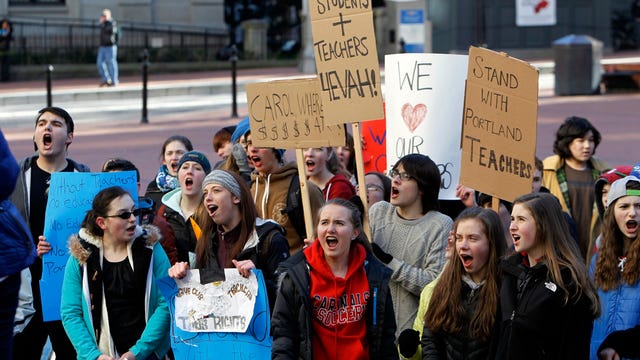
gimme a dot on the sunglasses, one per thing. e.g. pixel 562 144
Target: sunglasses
pixel 126 215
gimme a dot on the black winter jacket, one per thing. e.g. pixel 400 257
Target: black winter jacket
pixel 267 249
pixel 291 319
pixel 535 323
pixel 185 237
pixel 436 346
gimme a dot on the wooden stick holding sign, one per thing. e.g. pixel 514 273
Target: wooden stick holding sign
pixel 289 114
pixel 304 192
pixel 362 189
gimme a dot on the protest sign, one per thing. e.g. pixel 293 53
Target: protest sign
pixel 70 196
pixel 499 124
pixel 374 151
pixel 227 318
pixel 424 94
pixel 289 114
pixel 344 46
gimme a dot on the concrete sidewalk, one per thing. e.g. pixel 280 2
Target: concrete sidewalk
pixel 206 83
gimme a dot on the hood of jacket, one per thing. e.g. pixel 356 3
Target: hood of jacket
pixel 83 244
pixel 172 200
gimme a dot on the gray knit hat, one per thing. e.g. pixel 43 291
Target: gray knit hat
pixel 224 179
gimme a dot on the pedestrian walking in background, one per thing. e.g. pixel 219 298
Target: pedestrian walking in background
pixel 571 172
pixel 6 35
pixel 410 234
pixel 111 306
pixel 616 266
pixel 547 302
pixel 52 136
pixel 167 177
pixel 108 51
pixel 333 301
pixel 233 235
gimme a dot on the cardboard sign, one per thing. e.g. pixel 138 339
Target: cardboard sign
pixel 499 124
pixel 344 46
pixel 374 150
pixel 70 197
pixel 424 94
pixel 253 343
pixel 289 114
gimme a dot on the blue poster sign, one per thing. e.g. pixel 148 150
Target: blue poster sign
pixel 70 196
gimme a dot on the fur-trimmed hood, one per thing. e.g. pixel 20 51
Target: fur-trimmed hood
pixel 81 245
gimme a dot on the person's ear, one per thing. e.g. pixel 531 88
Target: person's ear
pixel 101 222
pixel 235 200
pixel 69 138
pixel 356 233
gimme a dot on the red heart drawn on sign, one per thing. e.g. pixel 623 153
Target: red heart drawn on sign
pixel 413 116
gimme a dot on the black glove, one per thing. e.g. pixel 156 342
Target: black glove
pixel 381 255
pixel 408 342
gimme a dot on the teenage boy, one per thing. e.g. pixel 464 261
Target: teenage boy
pixel 276 191
pixel 570 174
pixel 52 136
pixel 410 234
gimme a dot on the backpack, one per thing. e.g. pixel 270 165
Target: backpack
pixel 17 250
pixel 294 207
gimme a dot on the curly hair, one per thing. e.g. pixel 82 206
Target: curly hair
pixel 608 275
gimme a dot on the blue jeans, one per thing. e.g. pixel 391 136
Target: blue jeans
pixel 108 63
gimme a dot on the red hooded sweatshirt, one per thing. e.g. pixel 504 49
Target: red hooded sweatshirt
pixel 338 306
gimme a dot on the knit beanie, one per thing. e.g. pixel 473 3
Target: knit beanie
pixel 196 156
pixel 241 129
pixel 224 179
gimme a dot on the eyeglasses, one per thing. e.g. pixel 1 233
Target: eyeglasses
pixel 404 176
pixel 125 215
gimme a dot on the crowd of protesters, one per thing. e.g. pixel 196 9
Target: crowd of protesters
pixel 553 274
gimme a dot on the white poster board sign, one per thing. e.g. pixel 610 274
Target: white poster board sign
pixel 223 306
pixel 424 95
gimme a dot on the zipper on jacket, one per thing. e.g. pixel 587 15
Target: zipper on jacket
pixel 375 305
pixel 513 314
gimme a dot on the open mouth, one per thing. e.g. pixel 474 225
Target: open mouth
pixel 467 260
pixel 131 228
pixel 516 239
pixel 174 166
pixel 310 165
pixel 188 182
pixel 331 241
pixel 47 140
pixel 632 225
pixel 255 160
pixel 394 191
pixel 212 209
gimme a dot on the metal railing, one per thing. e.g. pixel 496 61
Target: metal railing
pixel 72 41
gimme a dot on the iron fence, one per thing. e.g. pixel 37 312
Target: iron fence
pixel 69 41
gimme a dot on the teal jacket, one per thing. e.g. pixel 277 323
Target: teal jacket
pixel 78 298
